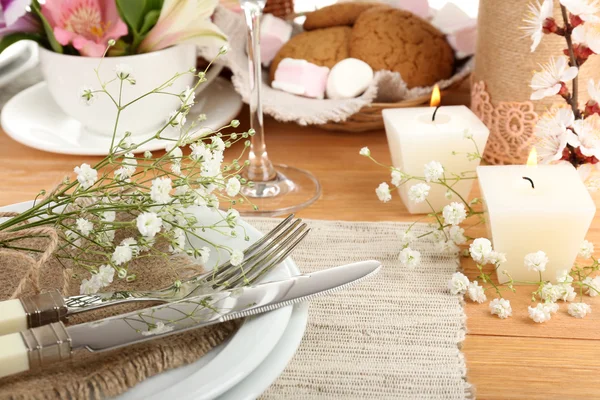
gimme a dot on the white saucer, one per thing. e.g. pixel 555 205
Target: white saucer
pixel 35 120
pixel 22 59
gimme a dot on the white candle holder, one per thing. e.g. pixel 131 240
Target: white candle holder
pixel 415 140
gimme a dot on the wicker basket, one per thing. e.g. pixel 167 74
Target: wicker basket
pixel 280 8
pixel 369 118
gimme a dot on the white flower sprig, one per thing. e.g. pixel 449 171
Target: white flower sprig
pixel 129 205
pixel 448 236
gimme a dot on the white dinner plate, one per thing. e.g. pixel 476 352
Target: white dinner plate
pixel 20 62
pixel 34 119
pixel 226 365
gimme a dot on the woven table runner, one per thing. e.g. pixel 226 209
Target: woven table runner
pixel 394 336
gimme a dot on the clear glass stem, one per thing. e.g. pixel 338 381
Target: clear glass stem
pixel 260 169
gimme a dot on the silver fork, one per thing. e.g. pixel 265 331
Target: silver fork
pixel 259 258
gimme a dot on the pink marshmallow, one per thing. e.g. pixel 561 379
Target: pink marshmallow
pixel 418 7
pixel 463 41
pixel 301 77
pixel 274 32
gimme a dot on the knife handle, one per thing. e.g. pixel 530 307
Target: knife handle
pixel 34 348
pixel 31 311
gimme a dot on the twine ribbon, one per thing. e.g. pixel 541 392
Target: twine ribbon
pixel 33 273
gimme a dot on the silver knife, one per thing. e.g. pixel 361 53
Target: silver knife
pixel 37 347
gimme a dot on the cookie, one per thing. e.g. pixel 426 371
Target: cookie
pixel 397 40
pixel 341 14
pixel 323 47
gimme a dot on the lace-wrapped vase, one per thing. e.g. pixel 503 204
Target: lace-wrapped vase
pixel 504 66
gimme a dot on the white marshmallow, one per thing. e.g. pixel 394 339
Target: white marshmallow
pixel 348 78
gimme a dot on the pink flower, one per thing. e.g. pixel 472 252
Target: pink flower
pixel 15 18
pixel 86 24
pixel 184 21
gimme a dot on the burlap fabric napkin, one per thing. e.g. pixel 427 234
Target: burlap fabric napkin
pixel 393 336
pixel 95 376
pixel 386 87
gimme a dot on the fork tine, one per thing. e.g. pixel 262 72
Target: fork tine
pixel 253 268
pixel 282 256
pixel 226 273
pixel 268 236
pixel 266 239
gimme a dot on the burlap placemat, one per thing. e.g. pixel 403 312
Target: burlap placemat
pixel 103 375
pixel 394 336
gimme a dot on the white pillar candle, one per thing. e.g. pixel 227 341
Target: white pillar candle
pixel 415 140
pixel 552 215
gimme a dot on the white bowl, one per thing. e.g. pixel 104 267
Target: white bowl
pixel 66 75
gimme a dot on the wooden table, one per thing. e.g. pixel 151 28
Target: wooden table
pixel 506 359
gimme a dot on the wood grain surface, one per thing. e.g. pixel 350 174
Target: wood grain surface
pixel 506 359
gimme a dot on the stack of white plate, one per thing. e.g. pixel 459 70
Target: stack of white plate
pixel 17 59
pixel 247 363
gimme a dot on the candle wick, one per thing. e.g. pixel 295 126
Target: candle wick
pixel 434 112
pixel 530 181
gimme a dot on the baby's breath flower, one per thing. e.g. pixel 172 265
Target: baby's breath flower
pixel 125 251
pixel 236 258
pixel 476 293
pixel 86 175
pixel 409 258
pixel 224 49
pixel 406 238
pixel 158 329
pixel 447 246
pixel 433 171
pixel 536 261
pixel 202 255
pixel 458 284
pixel 179 240
pixel 448 195
pixel 419 192
pixel 365 152
pixel 235 123
pixel 550 293
pixel 176 119
pixel 160 190
pixel 454 213
pixel 187 98
pixel 501 308
pixel 148 224
pixel 86 95
pixel 108 216
pixel 495 258
pixel 480 250
pixel 457 234
pixel 200 152
pixel 542 312
pixel 563 276
pixel 84 226
pixel 105 275
pixel 233 187
pixel 586 250
pixel 592 286
pixel 579 310
pixel 467 134
pixel 89 286
pixel 566 292
pixel 383 192
pixel 123 71
pixel 397 177
pixel 218 144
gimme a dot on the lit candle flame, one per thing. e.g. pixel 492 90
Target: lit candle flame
pixel 532 159
pixel 435 96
